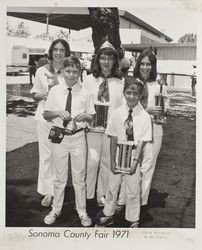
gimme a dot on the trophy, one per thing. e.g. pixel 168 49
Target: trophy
pixel 99 122
pixel 70 128
pixel 160 101
pixel 124 157
pixel 50 81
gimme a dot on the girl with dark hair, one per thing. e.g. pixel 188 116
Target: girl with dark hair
pixel 46 77
pixel 97 70
pixel 64 47
pixel 105 85
pixel 146 70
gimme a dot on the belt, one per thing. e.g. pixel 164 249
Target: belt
pixel 69 132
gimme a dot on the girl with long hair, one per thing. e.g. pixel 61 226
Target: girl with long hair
pixel 46 77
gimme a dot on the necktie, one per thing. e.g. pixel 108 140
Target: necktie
pixel 68 105
pixel 103 93
pixel 129 126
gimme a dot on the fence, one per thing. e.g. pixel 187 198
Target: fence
pixel 179 89
pixel 176 82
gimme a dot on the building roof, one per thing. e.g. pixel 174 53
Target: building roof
pixel 143 24
pixel 75 18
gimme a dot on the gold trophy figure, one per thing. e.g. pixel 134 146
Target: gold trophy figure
pixel 50 81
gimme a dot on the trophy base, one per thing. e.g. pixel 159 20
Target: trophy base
pixel 122 170
pixel 100 130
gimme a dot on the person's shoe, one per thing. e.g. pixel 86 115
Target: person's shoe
pixel 119 208
pixel 103 221
pixel 85 220
pixel 134 224
pixel 101 201
pixel 51 218
pixel 47 201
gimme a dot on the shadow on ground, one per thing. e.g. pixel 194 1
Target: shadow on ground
pixel 21 108
pixel 171 201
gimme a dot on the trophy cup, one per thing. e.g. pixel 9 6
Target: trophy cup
pixel 100 118
pixel 70 128
pixel 160 101
pixel 124 157
pixel 50 81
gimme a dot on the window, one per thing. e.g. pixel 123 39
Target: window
pixel 24 56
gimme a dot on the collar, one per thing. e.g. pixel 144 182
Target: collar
pixel 65 87
pixel 135 109
pixel 103 76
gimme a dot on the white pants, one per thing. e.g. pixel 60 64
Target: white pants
pixel 132 194
pixel 98 164
pixel 150 154
pixel 45 175
pixel 75 146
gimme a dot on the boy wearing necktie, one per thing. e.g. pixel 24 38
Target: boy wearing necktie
pixel 68 103
pixel 130 122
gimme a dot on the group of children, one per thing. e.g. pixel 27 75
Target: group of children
pixel 93 156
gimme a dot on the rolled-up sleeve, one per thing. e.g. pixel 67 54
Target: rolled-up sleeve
pixel 146 133
pixel 89 109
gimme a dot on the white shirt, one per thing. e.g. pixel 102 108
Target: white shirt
pixel 81 102
pixel 41 84
pixel 142 129
pixel 115 85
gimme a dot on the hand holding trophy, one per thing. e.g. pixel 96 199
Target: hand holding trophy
pixel 124 157
pixel 100 118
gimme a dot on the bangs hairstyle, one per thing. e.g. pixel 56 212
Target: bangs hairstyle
pixel 96 70
pixel 71 61
pixel 64 43
pixel 152 58
pixel 130 80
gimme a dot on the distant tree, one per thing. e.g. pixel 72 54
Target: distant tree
pixel 44 36
pixel 188 38
pixel 62 35
pixel 9 29
pixel 19 31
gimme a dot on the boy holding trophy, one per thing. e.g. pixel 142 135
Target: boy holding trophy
pixel 69 107
pixel 129 126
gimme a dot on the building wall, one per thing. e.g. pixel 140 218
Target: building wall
pixel 148 37
pixel 125 24
pixel 177 53
pixel 129 36
pixel 175 66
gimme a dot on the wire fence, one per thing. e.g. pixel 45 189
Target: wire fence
pixel 179 87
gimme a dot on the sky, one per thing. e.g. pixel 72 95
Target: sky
pixel 168 16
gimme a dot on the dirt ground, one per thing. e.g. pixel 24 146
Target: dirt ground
pixel 172 197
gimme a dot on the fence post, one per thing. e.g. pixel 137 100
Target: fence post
pixel 172 79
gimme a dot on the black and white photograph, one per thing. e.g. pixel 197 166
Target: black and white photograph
pixel 99 127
